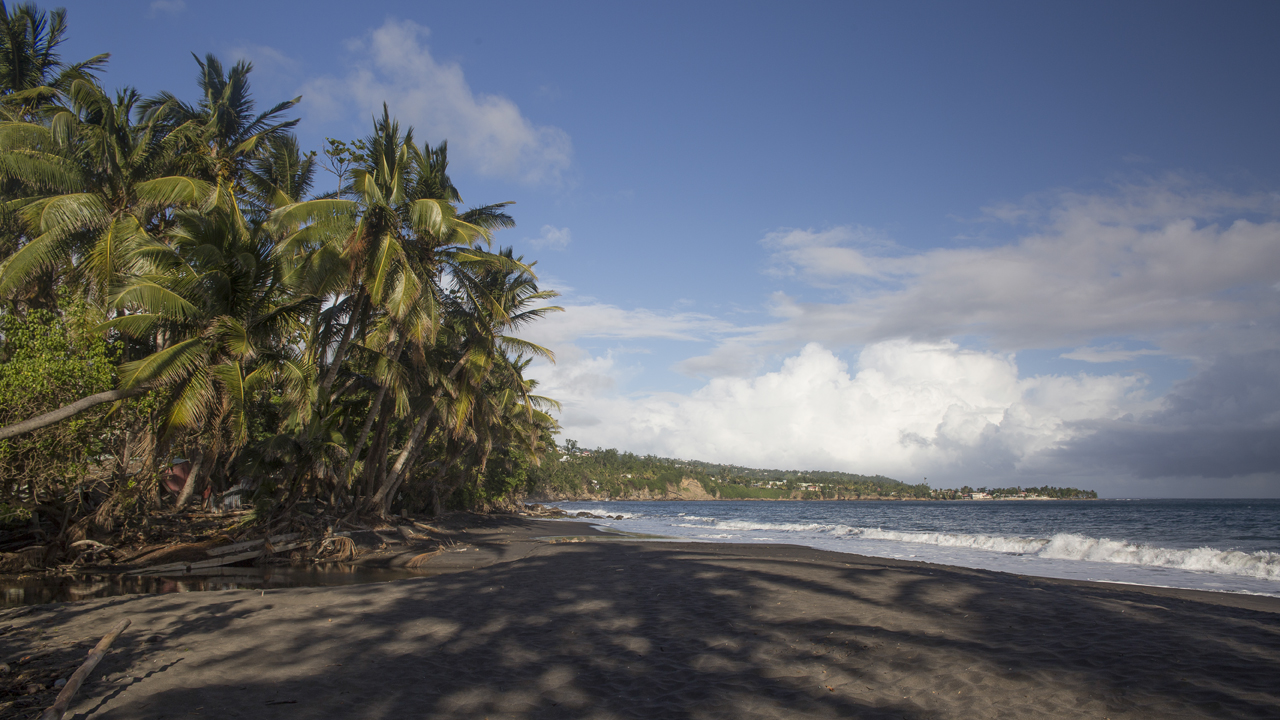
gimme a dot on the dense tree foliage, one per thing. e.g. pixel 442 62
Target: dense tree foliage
pixel 173 282
pixel 600 472
pixel 579 474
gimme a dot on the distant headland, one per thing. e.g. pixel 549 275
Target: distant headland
pixel 579 474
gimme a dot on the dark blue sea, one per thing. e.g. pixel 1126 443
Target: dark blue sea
pixel 1222 545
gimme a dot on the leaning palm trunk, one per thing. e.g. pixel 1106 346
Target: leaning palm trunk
pixel 375 462
pixel 375 410
pixel 412 447
pixel 388 491
pixel 66 411
pixel 198 469
pixel 340 354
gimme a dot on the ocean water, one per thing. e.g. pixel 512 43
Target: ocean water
pixel 1220 545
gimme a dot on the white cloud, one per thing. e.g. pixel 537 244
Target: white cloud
pixel 168 7
pixel 1168 269
pixel 823 255
pixel 906 409
pixel 1179 268
pixel 552 238
pixel 598 320
pixel 488 133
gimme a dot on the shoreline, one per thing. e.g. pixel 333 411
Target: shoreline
pixel 534 619
pixel 675 496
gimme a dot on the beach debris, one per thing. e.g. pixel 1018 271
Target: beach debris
pixel 419 560
pixel 59 707
pixel 275 540
pixel 343 545
pixel 229 554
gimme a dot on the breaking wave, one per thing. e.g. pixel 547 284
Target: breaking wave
pixel 1063 546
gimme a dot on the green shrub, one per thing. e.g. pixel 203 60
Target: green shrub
pixel 48 361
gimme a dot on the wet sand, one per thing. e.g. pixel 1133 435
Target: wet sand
pixel 590 627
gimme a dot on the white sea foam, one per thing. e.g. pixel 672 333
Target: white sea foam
pixel 699 518
pixel 1073 553
pixel 830 529
pixel 1063 546
pixel 993 543
pixel 1069 546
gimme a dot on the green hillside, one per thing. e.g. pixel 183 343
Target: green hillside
pixel 575 473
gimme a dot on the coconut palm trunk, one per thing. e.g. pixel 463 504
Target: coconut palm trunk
pixel 66 411
pixel 375 411
pixel 413 446
pixel 340 354
pixel 199 469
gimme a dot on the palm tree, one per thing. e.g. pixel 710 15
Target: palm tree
pixel 393 242
pixel 222 126
pixel 487 307
pixel 279 175
pixel 217 299
pixel 32 73
pixel 95 188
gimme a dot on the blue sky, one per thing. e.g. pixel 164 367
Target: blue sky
pixel 986 243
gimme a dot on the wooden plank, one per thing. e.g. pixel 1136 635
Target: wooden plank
pixel 184 567
pixel 275 540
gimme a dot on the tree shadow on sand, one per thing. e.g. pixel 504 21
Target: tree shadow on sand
pixel 622 630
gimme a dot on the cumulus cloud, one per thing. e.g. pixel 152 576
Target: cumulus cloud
pixel 905 409
pixel 488 133
pixel 552 238
pixel 1166 269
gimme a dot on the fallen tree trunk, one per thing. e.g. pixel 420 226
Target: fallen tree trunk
pixel 66 411
pixel 59 706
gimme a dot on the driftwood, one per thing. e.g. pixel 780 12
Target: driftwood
pixel 227 555
pixel 59 706
pixel 215 562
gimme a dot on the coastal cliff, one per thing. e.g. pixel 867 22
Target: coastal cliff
pixel 687 489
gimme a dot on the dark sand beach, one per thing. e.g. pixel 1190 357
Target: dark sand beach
pixel 593 627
